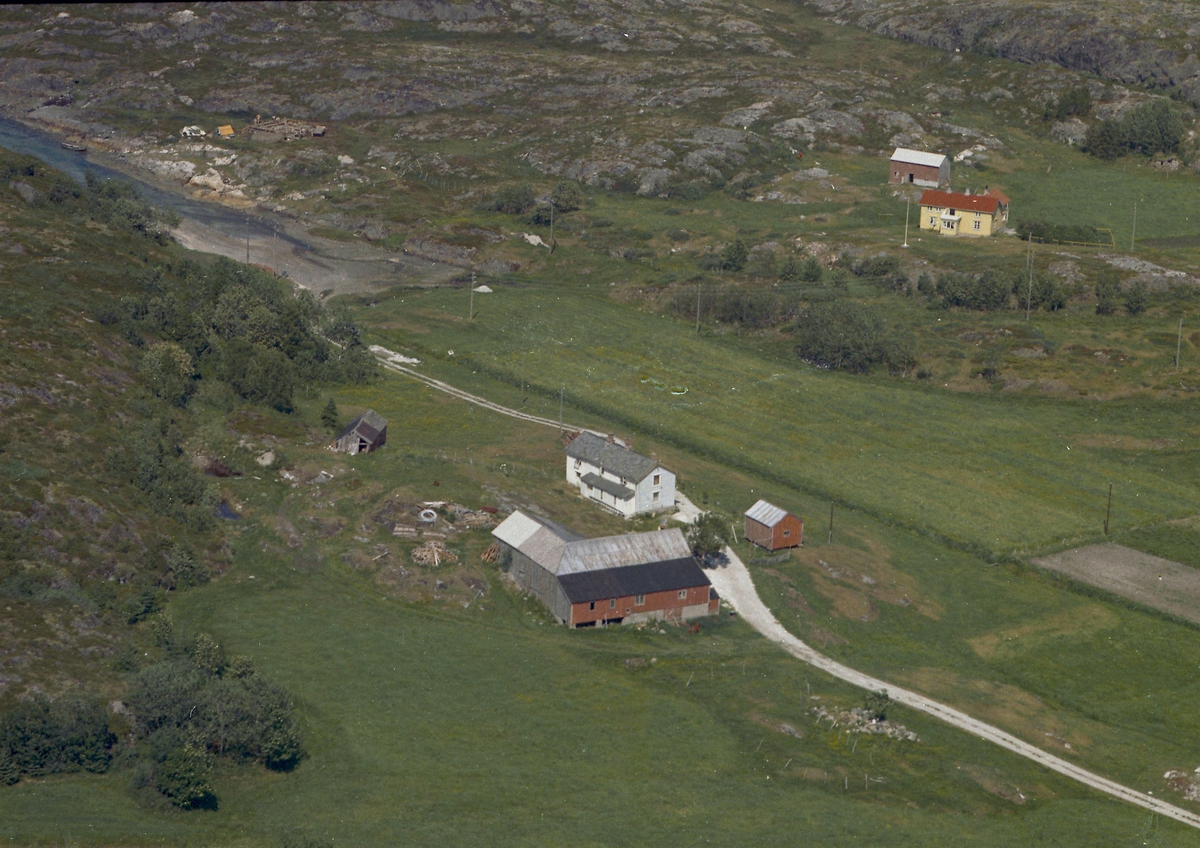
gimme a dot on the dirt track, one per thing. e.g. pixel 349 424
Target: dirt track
pixel 1149 580
pixel 736 586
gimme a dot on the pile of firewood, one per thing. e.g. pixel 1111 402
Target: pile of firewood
pixel 433 553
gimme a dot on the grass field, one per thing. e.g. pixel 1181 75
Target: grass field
pixel 997 473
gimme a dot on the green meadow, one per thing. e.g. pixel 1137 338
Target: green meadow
pixel 992 473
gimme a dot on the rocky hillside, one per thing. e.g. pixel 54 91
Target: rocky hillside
pixel 647 98
pixel 1141 43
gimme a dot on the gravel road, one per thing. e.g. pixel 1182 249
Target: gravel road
pixel 735 585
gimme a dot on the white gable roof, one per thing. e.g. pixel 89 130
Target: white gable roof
pixel 918 157
pixel 766 513
pixel 562 551
pixel 619 551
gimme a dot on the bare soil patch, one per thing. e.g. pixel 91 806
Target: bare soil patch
pixel 1153 581
pixel 854 579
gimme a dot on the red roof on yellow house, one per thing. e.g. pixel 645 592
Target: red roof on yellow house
pixel 967 202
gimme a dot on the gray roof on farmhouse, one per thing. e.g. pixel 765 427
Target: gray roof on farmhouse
pixel 561 551
pixel 611 457
pixel 370 424
pixel 605 485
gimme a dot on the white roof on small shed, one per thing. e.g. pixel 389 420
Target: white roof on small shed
pixel 918 157
pixel 766 513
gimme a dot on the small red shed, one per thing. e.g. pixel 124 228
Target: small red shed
pixel 773 528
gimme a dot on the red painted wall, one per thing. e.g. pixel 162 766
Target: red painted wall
pixel 582 614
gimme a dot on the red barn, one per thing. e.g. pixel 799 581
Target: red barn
pixel 773 528
pixel 919 168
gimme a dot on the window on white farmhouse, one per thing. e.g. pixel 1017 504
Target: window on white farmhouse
pixel 578 463
pixel 639 600
pixel 682 594
pixel 655 497
pixel 657 479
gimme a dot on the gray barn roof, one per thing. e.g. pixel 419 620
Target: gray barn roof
pixel 646 579
pixel 369 425
pixel 561 551
pixel 611 457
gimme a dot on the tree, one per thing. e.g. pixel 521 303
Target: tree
pixel 168 370
pixel 876 704
pixel 1135 298
pixel 188 570
pixel 566 196
pixel 184 776
pixel 329 416
pixel 811 270
pixel 1108 290
pixel 734 256
pixel 513 200
pixel 708 535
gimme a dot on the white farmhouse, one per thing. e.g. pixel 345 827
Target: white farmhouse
pixel 617 478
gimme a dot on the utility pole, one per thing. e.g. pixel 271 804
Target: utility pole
pixel 1108 514
pixel 561 392
pixel 698 286
pixel 522 379
pixel 831 522
pixel 1133 234
pixel 907 207
pixel 1178 344
pixel 471 300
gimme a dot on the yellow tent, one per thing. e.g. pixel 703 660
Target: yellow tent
pixel 225 131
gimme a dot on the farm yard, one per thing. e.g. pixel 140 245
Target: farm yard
pixel 994 473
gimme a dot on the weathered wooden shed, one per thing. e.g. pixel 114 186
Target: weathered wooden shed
pixel 772 527
pixel 366 433
pixel 919 168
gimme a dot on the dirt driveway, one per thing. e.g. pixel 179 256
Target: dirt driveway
pixel 1149 580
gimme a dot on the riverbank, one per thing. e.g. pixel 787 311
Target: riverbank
pixel 235 227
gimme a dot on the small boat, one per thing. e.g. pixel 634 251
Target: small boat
pixel 70 145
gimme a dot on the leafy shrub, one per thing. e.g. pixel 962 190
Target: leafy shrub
pixel 811 270
pixel 187 570
pixel 40 737
pixel 512 200
pixel 851 337
pixel 708 535
pixel 1108 290
pixel 876 704
pixel 194 706
pixel 567 196
pixel 120 204
pixel 1135 298
pixel 169 372
pixel 1153 127
pixel 1058 233
pixel 734 255
pixel 1077 101
pixel 151 459
pixel 986 292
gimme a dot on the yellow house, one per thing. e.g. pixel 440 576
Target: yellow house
pixel 225 131
pixel 953 214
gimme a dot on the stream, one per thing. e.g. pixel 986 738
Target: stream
pixel 325 267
